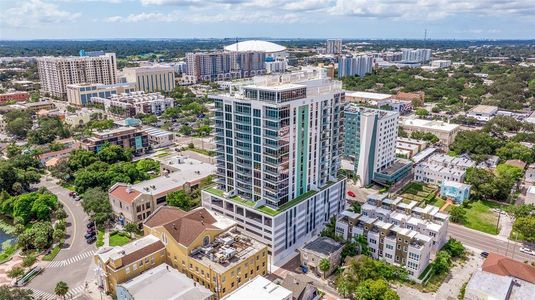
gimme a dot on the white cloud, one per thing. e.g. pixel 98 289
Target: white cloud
pixel 35 12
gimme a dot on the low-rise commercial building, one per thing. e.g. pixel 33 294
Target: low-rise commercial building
pixel 17 96
pixel 159 138
pixel 135 203
pixel 445 132
pixel 37 106
pixel 208 248
pixel 260 288
pixel 482 113
pixel 119 264
pixel 80 94
pixel 162 283
pixel 78 118
pixel 441 167
pixel 321 248
pixel 366 97
pixel 127 137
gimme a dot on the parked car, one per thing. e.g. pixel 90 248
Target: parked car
pixel 89 235
pixel 484 254
pixel 91 230
pixel 90 224
pixel 72 194
pixel 91 239
pixel 527 250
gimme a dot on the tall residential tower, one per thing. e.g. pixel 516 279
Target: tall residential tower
pixel 55 73
pixel 279 143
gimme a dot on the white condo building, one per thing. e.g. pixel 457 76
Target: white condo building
pixel 416 55
pixel 334 46
pixel 151 78
pixel 370 140
pixel 278 153
pixel 441 167
pixel 55 73
pixel 80 94
pixel 355 65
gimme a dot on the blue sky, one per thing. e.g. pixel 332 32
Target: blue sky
pixel 92 19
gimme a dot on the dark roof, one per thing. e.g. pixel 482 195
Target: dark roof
pixel 323 245
pixel 163 215
pixel 501 265
pixel 300 286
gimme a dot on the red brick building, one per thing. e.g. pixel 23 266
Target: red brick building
pixel 17 96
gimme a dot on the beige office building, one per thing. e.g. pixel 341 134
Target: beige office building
pixel 151 78
pixel 446 132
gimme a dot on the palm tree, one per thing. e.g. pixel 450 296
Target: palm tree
pixel 325 265
pixel 61 289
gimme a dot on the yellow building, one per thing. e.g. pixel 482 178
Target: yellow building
pixel 119 264
pixel 205 246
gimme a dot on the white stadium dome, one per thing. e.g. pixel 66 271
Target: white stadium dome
pixel 255 45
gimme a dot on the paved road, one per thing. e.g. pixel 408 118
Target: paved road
pixel 487 242
pixel 72 262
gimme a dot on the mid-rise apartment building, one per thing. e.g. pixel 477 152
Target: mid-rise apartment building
pixel 441 167
pixel 278 153
pixel 354 65
pixel 225 65
pixel 127 137
pixel 370 143
pixel 397 232
pixel 334 46
pixel 55 73
pixel 416 55
pixel 134 203
pixel 80 94
pixel 151 78
pixel 130 104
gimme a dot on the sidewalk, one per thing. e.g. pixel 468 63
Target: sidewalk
pixel 15 261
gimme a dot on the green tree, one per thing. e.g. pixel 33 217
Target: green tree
pixel 147 165
pixel 514 150
pixel 9 293
pixel 454 248
pixel 325 266
pixel 61 289
pixel 422 112
pixel 58 235
pixel 522 210
pixel 355 207
pixel 131 228
pixel 182 200
pixel 526 227
pixel 185 130
pixel 375 290
pixel 28 260
pixel 114 153
pixel 475 142
pixel 15 272
pixel 442 262
pixel 95 203
pixel 458 214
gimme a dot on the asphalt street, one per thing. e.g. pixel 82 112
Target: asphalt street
pixel 487 242
pixel 72 262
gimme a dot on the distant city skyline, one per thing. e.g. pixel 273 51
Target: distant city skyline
pixel 346 19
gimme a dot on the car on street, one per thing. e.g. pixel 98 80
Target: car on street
pixel 91 239
pixel 527 250
pixel 484 254
pixel 89 235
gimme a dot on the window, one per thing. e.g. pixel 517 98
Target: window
pixel 127 270
pixel 206 241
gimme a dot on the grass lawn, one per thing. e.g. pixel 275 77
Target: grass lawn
pixel 50 256
pixel 438 202
pixel 118 239
pixel 480 217
pixel 203 151
pixel 100 238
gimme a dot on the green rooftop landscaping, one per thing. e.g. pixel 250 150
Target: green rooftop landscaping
pixel 238 199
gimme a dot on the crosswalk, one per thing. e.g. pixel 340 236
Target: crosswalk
pixel 42 295
pixel 66 262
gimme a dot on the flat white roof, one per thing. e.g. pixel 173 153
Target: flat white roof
pixel 368 95
pixel 260 288
pixel 187 171
pixel 433 125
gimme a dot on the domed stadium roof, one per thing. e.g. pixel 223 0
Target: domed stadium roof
pixel 255 45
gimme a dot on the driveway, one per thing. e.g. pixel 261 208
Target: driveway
pixel 72 262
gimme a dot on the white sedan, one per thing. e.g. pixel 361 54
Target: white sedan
pixel 527 251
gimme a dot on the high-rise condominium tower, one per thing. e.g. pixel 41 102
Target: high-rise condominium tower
pixel 334 46
pixel 279 143
pixel 55 73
